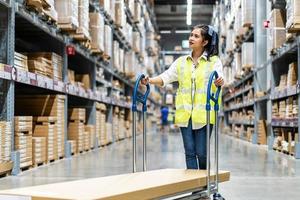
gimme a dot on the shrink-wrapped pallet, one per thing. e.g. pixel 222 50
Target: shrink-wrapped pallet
pixel 293 15
pixel 248 12
pixel 97 32
pixel 276 32
pixel 67 12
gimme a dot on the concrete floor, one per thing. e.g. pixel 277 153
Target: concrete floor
pixel 256 174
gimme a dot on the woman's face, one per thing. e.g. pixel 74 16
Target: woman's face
pixel 196 41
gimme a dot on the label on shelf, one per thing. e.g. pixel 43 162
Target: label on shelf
pixel 49 83
pixel 22 76
pixel 59 86
pixel 41 81
pixel 32 78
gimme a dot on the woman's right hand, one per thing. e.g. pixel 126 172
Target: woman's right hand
pixel 145 80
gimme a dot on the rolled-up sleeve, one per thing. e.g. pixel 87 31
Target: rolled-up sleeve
pixel 170 75
pixel 219 67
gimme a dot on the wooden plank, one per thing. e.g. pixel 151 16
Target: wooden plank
pixel 141 185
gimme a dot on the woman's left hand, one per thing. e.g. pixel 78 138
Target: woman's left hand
pixel 219 82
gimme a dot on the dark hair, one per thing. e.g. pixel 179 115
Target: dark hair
pixel 208 33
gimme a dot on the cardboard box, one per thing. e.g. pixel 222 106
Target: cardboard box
pixel 85 79
pixel 97 32
pixel 120 16
pixel 108 40
pixel 83 18
pixel 76 132
pixel 39 147
pixel 293 15
pixel 67 11
pixel 77 114
pixel 277 33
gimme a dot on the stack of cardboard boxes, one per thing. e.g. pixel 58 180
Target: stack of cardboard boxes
pixel 23 139
pixel 76 127
pixel 21 61
pixel 39 153
pixel 6 136
pixel 277 33
pixel 46 127
pixel 67 14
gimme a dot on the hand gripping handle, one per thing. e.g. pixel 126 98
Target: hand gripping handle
pixel 212 96
pixel 137 97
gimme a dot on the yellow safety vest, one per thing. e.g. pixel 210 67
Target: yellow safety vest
pixel 185 109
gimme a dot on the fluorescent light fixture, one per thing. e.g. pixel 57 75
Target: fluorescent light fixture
pixel 189 12
pixel 165 32
pixel 182 31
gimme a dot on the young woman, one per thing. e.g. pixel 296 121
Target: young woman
pixel 192 73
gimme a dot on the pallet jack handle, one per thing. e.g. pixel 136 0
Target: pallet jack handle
pixel 212 97
pixel 142 98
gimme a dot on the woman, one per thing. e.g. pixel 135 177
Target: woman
pixel 192 73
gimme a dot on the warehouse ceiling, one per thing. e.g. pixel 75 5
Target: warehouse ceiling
pixel 171 14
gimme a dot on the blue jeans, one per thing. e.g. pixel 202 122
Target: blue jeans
pixel 194 142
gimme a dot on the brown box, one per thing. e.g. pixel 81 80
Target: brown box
pixel 85 79
pixel 76 132
pixel 77 114
pixel 67 11
pixel 97 32
pixel 20 61
pixel 277 33
pixel 39 147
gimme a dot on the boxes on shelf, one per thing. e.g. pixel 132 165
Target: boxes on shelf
pixel 45 105
pixel 101 124
pixel 90 129
pixel 137 12
pixel 77 114
pixel 76 132
pixel 120 16
pixel 129 64
pixel 84 79
pixel 277 33
pixel 262 132
pixel 82 32
pixel 46 63
pixel 23 139
pixel 97 32
pixel 39 150
pixel 71 76
pixel 116 57
pixel 292 76
pixel 130 5
pixel 248 55
pixel 5 142
pixel 116 123
pixel 121 124
pixel 109 133
pixel 46 127
pixel 293 15
pixel 67 11
pixel 295 108
pixel 283 82
pixel 51 11
pixel 289 108
pixel 249 133
pixel 248 12
pixel 21 61
pixel 105 4
pixel 282 109
pixel 136 42
pixel 107 41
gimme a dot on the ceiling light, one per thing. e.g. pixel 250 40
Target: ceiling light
pixel 189 12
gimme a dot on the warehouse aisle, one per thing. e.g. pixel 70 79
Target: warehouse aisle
pixel 256 173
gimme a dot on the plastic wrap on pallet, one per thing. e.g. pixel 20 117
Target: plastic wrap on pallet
pixel 116 57
pixel 136 41
pixel 238 27
pixel 128 32
pixel 137 12
pixel 51 12
pixel 97 31
pixel 248 11
pixel 67 11
pixel 83 18
pixel 129 63
pixel 120 16
pixel 293 14
pixel 238 62
pixel 276 32
pixel 248 54
pixel 130 5
pixel 108 40
pixel 105 4
pixel 229 40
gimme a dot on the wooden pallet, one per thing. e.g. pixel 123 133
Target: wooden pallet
pixel 294 28
pixel 26 166
pixel 39 164
pixel 70 28
pixel 97 51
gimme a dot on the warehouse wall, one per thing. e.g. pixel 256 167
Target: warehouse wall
pixel 169 41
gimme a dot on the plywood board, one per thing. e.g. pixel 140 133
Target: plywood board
pixel 141 185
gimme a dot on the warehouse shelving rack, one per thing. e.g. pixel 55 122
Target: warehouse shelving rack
pixel 266 75
pixel 18 24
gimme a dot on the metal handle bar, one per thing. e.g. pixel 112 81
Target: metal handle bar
pixel 143 99
pixel 212 96
pixel 138 97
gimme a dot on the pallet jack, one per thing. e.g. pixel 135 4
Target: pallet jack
pixel 212 188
